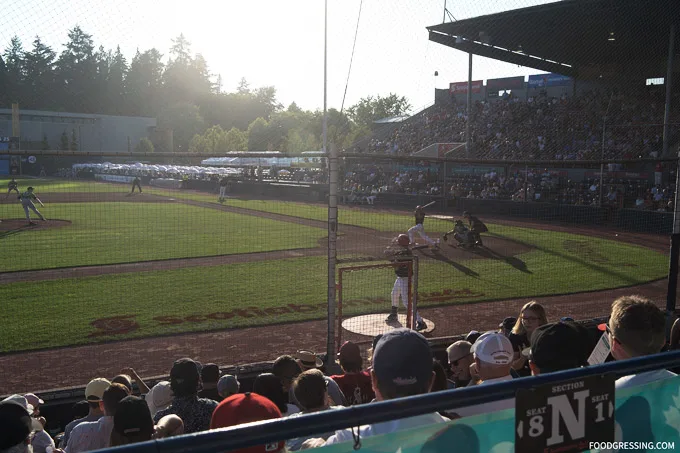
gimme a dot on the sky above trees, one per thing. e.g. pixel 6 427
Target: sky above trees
pixel 274 43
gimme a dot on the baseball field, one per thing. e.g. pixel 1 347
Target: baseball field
pixel 107 265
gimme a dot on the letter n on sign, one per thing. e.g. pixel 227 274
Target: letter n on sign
pixel 565 416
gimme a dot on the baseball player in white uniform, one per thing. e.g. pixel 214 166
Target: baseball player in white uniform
pixel 26 199
pixel 418 228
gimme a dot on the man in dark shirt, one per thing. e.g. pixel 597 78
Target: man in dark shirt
pixel 400 253
pixel 210 374
pixel 224 182
pixel 476 227
pixel 195 412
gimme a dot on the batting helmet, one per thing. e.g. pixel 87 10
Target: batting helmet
pixel 403 240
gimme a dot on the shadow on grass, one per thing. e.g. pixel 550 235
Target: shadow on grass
pixel 436 255
pixel 625 278
pixel 15 231
pixel 511 260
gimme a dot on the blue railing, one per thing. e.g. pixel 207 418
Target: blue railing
pixel 228 439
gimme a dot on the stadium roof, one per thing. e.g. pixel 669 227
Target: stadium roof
pixel 572 37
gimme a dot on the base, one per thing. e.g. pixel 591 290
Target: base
pixel 372 325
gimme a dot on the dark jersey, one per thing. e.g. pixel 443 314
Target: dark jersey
pixel 402 255
pixel 477 225
pixel 136 181
pixel 420 217
pixel 224 182
pixel 12 185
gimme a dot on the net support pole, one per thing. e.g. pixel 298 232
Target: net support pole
pixel 669 85
pixel 469 107
pixel 414 292
pixel 675 249
pixel 332 246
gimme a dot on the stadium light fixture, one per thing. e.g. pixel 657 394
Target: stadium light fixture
pixel 459 40
pixel 611 36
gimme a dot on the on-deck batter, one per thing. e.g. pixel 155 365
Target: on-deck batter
pixel 402 254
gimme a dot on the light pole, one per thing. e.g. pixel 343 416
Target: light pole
pixel 604 125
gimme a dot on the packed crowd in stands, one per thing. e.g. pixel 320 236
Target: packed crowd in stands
pixel 364 184
pixel 197 398
pixel 542 127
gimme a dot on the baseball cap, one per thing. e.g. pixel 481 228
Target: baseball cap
pixel 95 389
pixel 33 399
pixel 494 348
pixel 508 323
pixel 133 418
pixel 228 385
pixel 21 401
pixel 247 408
pixel 403 357
pixel 349 352
pixel 210 373
pixel 184 370
pixel 559 346
pixel 159 397
pixel 473 336
pixel 16 423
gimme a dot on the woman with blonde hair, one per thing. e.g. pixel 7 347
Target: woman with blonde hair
pixel 531 316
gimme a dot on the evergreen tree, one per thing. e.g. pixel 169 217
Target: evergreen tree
pixel 15 71
pixel 63 142
pixel 74 141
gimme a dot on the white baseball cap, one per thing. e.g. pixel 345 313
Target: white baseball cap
pixel 493 348
pixel 159 397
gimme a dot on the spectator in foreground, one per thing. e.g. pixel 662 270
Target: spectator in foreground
pixel 307 361
pixel 507 325
pixel 636 328
pixel 159 397
pixel 41 439
pixel 312 393
pixel 531 316
pixel 460 359
pixel 89 436
pixel 132 376
pixel 228 385
pixel 210 374
pixel 402 366
pixel 354 383
pixel 493 354
pixel 16 429
pixel 247 408
pixel 94 391
pixel 441 382
pixel 133 423
pixel 269 386
pixel 195 412
pixel 557 347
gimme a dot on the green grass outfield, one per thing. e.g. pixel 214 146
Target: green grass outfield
pixel 66 312
pixel 79 310
pixel 108 233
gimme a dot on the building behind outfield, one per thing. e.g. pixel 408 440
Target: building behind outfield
pixel 92 132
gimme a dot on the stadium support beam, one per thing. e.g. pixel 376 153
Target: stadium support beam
pixel 469 107
pixel 498 53
pixel 669 85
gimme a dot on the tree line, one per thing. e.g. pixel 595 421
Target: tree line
pixel 180 92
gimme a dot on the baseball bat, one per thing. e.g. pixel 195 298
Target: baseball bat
pixel 429 204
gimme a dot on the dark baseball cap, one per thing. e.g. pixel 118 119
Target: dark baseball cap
pixel 403 357
pixel 133 418
pixel 15 422
pixel 184 370
pixel 559 346
pixel 210 372
pixel 508 323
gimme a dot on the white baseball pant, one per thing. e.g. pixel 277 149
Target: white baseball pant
pixel 400 288
pixel 223 191
pixel 29 204
pixel 421 232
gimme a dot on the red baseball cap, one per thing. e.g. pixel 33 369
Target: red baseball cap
pixel 247 408
pixel 602 327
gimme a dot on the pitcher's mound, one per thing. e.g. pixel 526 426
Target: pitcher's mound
pixel 372 325
pixel 19 225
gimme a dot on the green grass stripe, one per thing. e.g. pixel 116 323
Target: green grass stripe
pixel 106 233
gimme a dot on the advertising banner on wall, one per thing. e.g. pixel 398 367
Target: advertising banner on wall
pixel 645 417
pixel 549 80
pixel 506 83
pixel 461 87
